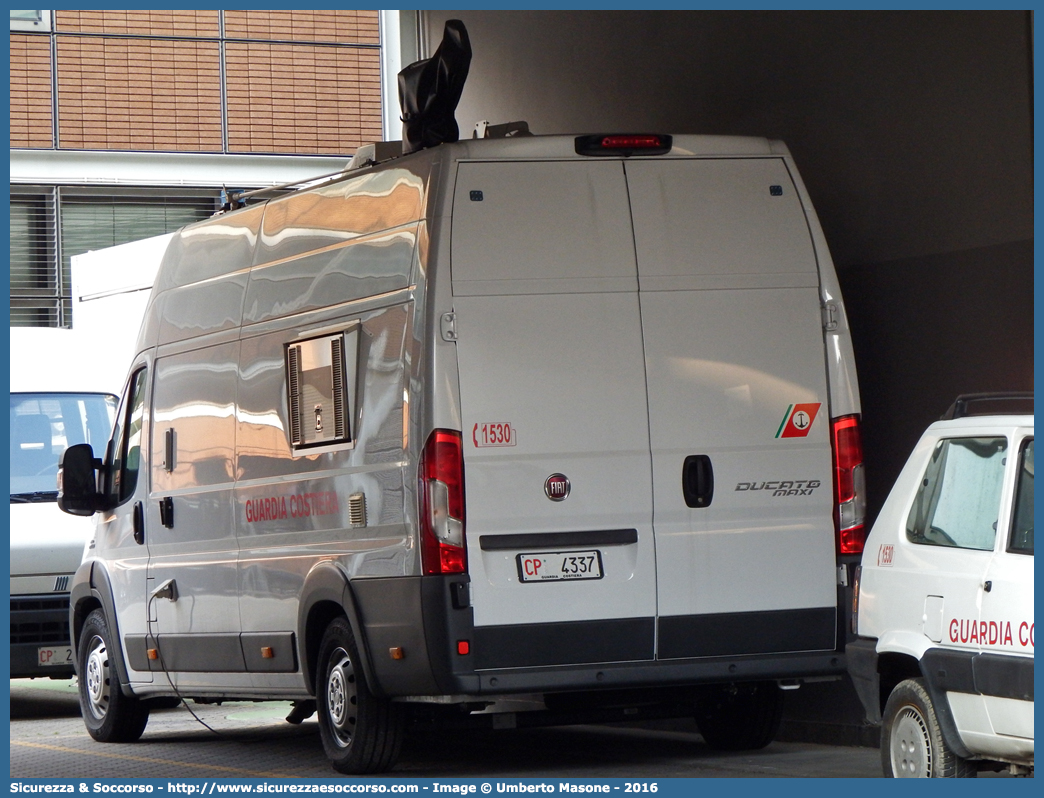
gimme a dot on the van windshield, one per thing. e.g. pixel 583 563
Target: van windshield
pixel 42 426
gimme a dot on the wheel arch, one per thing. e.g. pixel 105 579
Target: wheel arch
pixel 894 667
pixel 92 590
pixel 943 713
pixel 327 594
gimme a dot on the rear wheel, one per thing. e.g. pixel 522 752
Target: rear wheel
pixel 740 717
pixel 361 733
pixel 109 715
pixel 912 744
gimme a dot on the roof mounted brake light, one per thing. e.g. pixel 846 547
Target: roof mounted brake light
pixel 625 144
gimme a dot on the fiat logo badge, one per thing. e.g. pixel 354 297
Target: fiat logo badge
pixel 556 487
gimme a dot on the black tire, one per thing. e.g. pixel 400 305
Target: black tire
pixel 109 715
pixel 740 717
pixel 912 743
pixel 361 733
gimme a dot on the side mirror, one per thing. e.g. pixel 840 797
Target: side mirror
pixel 78 492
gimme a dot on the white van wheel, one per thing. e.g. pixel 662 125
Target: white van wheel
pixel 740 717
pixel 912 744
pixel 361 732
pixel 109 715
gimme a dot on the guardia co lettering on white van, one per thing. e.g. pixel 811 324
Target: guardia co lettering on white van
pixel 991 633
pixel 297 505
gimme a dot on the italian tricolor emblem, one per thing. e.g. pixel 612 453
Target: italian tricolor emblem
pixel 798 420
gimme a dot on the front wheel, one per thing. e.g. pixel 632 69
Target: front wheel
pixel 740 717
pixel 109 715
pixel 361 732
pixel 912 743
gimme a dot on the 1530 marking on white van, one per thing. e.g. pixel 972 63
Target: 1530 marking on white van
pixel 885 555
pixel 495 433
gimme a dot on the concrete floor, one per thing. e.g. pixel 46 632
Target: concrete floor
pixel 253 741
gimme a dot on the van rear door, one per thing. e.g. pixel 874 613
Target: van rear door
pixel 738 408
pixel 552 387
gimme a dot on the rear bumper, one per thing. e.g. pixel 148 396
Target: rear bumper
pixel 37 622
pixel 657 673
pixel 447 655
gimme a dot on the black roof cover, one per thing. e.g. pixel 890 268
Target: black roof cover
pixel 429 91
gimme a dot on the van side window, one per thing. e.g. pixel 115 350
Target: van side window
pixel 1021 540
pixel 128 440
pixel 319 373
pixel 958 503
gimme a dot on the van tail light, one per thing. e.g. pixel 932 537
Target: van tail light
pixel 849 485
pixel 624 144
pixel 442 504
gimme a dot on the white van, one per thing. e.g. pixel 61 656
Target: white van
pixel 63 386
pixel 51 407
pixel 566 417
pixel 944 657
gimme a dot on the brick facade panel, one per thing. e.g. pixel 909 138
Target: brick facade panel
pixel 342 27
pixel 138 94
pixel 31 91
pixel 159 88
pixel 277 94
pixel 140 23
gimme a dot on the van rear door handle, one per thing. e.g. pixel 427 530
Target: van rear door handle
pixel 698 480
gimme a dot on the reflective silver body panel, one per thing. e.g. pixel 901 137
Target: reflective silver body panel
pixel 252 517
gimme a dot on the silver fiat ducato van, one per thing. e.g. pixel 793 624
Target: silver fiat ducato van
pixel 567 417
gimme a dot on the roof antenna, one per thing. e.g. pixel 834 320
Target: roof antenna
pixel 429 91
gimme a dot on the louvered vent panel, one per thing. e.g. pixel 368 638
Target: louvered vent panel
pixel 293 368
pixel 340 417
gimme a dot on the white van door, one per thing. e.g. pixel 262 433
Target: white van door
pixel 738 408
pixel 119 533
pixel 190 527
pixel 552 388
pixel 1006 609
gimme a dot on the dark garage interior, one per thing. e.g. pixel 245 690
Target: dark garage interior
pixel 913 132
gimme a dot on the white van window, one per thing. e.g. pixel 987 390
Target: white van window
pixel 44 424
pixel 318 374
pixel 1022 524
pixel 958 503
pixel 125 468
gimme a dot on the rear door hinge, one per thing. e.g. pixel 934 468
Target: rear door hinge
pixel 831 316
pixel 449 327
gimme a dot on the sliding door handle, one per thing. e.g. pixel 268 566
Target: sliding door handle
pixel 138 514
pixel 166 508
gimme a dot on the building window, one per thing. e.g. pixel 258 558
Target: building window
pixel 35 284
pixel 30 20
pixel 50 224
